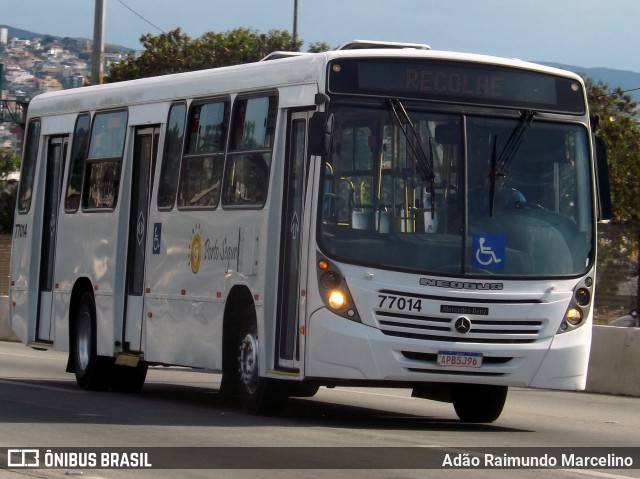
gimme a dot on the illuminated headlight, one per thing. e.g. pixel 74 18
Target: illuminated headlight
pixel 334 291
pixel 337 299
pixel 579 307
pixel 574 316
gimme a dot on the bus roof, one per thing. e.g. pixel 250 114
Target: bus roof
pixel 281 71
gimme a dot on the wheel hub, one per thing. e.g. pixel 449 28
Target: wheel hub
pixel 83 342
pixel 248 362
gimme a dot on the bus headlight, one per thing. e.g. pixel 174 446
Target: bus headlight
pixel 583 297
pixel 574 316
pixel 334 291
pixel 337 299
pixel 579 306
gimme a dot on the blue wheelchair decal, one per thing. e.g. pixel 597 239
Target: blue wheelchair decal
pixel 157 238
pixel 489 251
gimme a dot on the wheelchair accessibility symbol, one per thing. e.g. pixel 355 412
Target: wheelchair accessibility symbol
pixel 489 251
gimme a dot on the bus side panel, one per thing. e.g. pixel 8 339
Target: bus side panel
pixel 22 301
pixel 189 279
pixel 183 308
pixel 61 311
pixel 93 256
pixel 27 233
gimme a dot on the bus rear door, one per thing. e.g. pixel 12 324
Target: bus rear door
pixel 56 154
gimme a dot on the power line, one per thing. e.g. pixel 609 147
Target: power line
pixel 140 16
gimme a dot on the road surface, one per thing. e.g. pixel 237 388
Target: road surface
pixel 41 407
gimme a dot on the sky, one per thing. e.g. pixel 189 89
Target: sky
pixel 586 33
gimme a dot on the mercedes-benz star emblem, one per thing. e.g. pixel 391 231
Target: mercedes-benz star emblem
pixel 462 325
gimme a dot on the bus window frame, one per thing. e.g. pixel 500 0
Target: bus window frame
pixel 173 188
pixel 76 156
pixel 236 152
pixel 217 155
pixel 31 153
pixel 118 160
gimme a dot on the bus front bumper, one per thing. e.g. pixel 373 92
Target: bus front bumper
pixel 339 349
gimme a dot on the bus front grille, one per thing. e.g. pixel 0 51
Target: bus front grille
pixel 443 329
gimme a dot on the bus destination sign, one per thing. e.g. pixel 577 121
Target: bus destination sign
pixel 457 82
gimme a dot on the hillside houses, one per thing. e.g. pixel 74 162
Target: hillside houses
pixel 30 66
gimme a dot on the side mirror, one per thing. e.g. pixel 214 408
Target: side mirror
pixel 605 212
pixel 320 131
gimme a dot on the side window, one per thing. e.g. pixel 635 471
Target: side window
pixel 249 160
pixel 29 160
pixel 78 158
pixel 104 163
pixel 171 156
pixel 201 175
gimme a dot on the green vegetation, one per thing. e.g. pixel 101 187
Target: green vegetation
pixel 9 163
pixel 176 52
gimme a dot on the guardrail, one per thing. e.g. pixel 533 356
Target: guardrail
pixel 5 331
pixel 614 361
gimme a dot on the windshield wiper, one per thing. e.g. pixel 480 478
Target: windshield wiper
pixel 515 140
pixel 425 161
pixel 500 165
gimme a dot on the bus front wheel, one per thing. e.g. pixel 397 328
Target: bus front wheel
pixel 92 372
pixel 258 395
pixel 481 403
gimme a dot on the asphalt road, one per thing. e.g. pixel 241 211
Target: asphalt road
pixel 41 407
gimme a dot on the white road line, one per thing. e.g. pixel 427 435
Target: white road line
pixel 21 382
pixel 34 357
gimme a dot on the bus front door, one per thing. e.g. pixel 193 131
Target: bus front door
pixel 56 154
pixel 292 269
pixel 143 166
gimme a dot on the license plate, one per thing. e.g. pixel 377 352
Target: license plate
pixel 459 359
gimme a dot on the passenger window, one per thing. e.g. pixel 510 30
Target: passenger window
pixel 30 158
pixel 171 156
pixel 249 161
pixel 201 175
pixel 78 158
pixel 104 163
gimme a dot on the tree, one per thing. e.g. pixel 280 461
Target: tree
pixel 317 47
pixel 618 127
pixel 176 52
pixel 9 163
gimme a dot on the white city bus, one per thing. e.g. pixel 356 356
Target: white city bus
pixel 370 216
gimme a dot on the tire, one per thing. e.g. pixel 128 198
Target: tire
pixel 478 403
pixel 93 372
pixel 258 395
pixel 126 379
pixel 302 390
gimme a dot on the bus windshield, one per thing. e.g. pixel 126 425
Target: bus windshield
pixel 456 194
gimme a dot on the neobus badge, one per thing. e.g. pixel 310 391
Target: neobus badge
pixel 441 283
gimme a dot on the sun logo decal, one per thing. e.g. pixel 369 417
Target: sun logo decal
pixel 195 249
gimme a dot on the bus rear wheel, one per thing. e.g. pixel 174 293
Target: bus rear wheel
pixel 92 372
pixel 480 403
pixel 128 379
pixel 258 395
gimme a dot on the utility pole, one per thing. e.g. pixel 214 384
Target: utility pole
pixel 295 20
pixel 97 58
